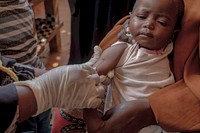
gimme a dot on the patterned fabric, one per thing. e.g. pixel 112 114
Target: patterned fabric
pixel 10 2
pixel 17 39
pixel 64 123
pixel 77 124
pixel 45 27
pixel 23 73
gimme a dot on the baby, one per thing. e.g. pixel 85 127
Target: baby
pixel 140 57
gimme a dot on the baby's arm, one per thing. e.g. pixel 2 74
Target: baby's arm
pixel 107 62
pixel 109 58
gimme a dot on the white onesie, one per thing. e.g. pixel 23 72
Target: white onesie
pixel 139 73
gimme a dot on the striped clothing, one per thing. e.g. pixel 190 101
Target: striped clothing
pixel 17 39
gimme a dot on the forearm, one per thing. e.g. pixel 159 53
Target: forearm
pixel 17 104
pixel 8 104
pixel 27 103
pixel 139 115
pixel 127 117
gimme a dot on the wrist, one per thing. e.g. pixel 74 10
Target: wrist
pixel 26 97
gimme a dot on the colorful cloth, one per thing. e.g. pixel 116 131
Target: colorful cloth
pixel 64 123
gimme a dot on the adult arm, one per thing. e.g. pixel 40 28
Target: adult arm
pixel 69 87
pixel 128 117
pixel 8 104
pixel 25 99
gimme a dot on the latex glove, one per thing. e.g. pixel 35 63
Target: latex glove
pixel 69 87
pixel 106 79
pixel 96 56
pixel 127 117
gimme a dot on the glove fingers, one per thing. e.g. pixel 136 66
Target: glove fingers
pixel 101 91
pixel 88 69
pixel 96 56
pixel 97 52
pixel 95 78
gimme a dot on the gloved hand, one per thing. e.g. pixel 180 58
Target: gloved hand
pixel 96 56
pixel 106 79
pixel 69 87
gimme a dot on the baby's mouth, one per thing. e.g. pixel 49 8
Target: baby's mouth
pixel 146 34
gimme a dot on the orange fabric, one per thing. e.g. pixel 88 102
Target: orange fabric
pixel 177 107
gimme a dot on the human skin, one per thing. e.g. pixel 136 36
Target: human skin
pixel 26 97
pixel 152 23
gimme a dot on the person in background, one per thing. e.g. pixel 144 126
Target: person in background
pixel 17 41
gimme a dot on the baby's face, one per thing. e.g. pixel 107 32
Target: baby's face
pixel 152 22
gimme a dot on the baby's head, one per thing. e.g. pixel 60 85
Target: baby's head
pixel 153 23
